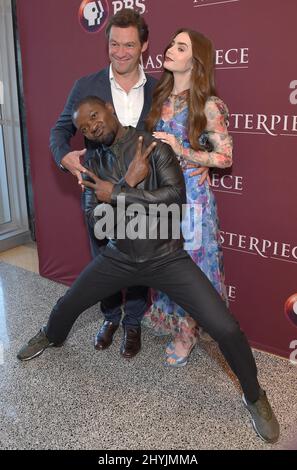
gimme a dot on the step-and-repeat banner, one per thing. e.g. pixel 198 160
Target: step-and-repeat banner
pixel 256 74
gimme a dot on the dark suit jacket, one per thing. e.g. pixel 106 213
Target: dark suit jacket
pixel 97 84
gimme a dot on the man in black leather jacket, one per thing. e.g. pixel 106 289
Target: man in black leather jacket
pixel 111 163
pixel 132 168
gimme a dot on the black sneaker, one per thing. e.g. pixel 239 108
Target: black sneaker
pixel 35 346
pixel 263 419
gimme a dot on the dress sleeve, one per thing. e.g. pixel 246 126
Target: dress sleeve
pixel 216 129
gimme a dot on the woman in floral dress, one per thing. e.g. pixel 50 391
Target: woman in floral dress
pixel 187 115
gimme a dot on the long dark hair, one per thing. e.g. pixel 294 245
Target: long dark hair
pixel 202 86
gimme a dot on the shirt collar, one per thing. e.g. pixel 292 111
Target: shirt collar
pixel 141 82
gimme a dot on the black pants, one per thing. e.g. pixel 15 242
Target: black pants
pixel 176 275
pixel 136 297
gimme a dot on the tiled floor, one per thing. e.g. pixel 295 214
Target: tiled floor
pixel 24 256
pixel 77 398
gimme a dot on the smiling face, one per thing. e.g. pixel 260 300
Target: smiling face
pixel 125 49
pixel 179 55
pixel 97 122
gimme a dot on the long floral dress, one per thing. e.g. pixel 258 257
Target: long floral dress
pixel 164 316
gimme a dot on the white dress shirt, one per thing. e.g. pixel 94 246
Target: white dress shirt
pixel 128 106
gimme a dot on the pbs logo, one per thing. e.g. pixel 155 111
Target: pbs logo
pixel 138 5
pixel 93 15
pixel 291 309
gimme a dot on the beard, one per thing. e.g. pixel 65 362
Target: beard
pixel 109 138
pixel 106 139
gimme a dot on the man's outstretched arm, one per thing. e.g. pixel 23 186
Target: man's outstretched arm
pixel 61 135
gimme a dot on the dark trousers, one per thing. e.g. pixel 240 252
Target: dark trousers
pixel 136 297
pixel 176 275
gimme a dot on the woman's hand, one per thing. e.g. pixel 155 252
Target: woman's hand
pixel 171 140
pixel 177 147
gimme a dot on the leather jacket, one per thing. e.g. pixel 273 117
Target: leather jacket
pixel 163 185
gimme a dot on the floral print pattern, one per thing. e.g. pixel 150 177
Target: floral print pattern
pixel 164 316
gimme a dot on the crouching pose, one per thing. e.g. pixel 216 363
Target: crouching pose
pixel 131 168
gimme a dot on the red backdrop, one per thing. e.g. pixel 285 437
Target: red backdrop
pixel 256 76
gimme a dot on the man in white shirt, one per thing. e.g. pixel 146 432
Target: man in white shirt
pixel 129 89
pixel 128 105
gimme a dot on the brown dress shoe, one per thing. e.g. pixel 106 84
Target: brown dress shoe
pixel 131 342
pixel 105 334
